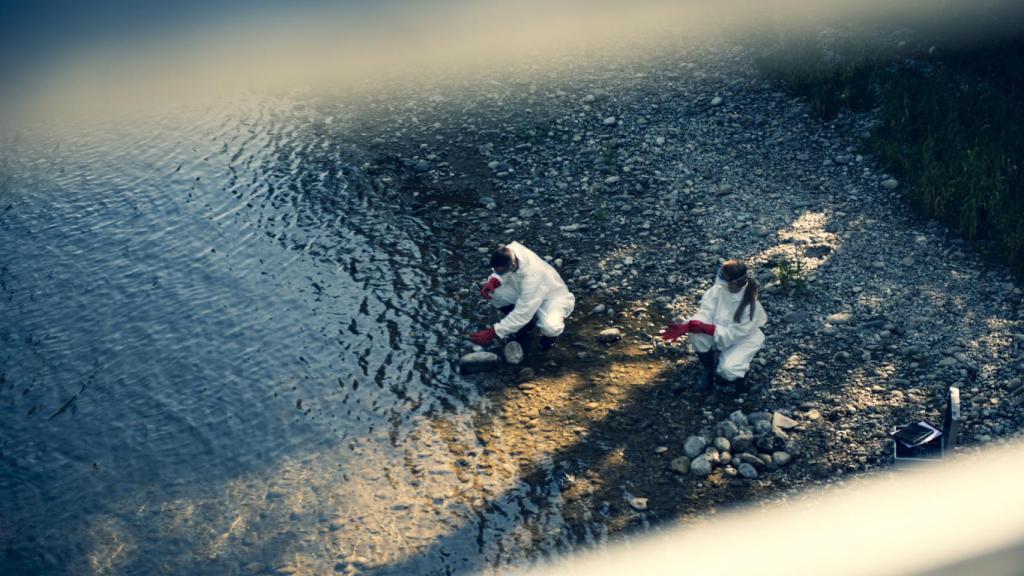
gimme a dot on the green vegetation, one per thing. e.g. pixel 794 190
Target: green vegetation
pixel 791 276
pixel 952 124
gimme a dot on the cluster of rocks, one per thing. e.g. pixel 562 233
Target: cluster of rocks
pixel 744 445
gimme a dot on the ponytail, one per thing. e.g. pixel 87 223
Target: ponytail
pixel 732 271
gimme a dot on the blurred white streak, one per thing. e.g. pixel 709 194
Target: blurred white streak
pixel 337 49
pixel 965 516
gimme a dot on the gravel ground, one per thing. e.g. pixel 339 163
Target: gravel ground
pixel 635 178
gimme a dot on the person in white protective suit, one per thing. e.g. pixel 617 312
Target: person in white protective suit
pixel 728 322
pixel 529 292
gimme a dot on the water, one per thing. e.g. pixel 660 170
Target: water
pixel 221 352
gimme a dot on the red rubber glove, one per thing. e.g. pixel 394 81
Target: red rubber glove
pixel 702 327
pixel 483 337
pixel 489 287
pixel 674 331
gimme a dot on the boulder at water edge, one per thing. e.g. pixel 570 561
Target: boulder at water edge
pixel 478 362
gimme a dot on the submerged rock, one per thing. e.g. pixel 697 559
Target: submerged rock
pixel 478 362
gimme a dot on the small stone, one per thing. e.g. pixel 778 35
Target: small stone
pixel 609 121
pixel 742 442
pixel 526 374
pixel 781 458
pixel 680 465
pixel 660 449
pixel 600 308
pixel 727 429
pixel 723 190
pixel 638 504
pixel 478 362
pixel 694 446
pixel 513 352
pixel 890 183
pixel 712 455
pixel 609 335
pixel 839 318
pixel 700 466
pixel 722 444
pixel 739 418
pixel 747 471
pixel 716 101
pixel 780 420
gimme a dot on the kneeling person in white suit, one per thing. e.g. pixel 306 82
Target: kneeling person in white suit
pixel 728 322
pixel 529 291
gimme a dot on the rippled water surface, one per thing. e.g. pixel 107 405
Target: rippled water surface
pixel 221 353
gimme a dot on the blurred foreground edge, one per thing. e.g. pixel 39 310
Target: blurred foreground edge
pixel 963 515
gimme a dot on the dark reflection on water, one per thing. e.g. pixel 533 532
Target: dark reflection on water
pixel 219 351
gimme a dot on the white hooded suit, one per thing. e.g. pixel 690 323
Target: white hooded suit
pixel 535 289
pixel 736 342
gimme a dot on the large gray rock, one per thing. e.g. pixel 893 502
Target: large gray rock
pixel 748 471
pixel 478 362
pixel 680 465
pixel 694 446
pixel 700 466
pixel 513 352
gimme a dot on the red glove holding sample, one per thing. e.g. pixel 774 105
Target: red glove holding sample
pixel 674 331
pixel 701 327
pixel 489 287
pixel 483 337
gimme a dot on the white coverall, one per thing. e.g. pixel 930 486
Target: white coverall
pixel 535 289
pixel 736 342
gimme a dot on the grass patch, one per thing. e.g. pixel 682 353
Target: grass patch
pixel 951 126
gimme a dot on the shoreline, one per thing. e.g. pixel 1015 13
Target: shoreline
pixel 634 180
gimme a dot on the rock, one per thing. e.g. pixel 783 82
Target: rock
pixel 609 335
pixel 660 449
pixel 751 459
pixel 478 362
pixel 639 504
pixel 600 308
pixel 722 444
pixel 712 455
pixel 589 99
pixel 727 429
pixel 700 466
pixel 747 471
pixel 781 458
pixel 723 190
pixel 890 183
pixel 780 420
pixel 609 121
pixel 716 101
pixel 739 419
pixel 948 361
pixel 839 318
pixel 422 166
pixel 526 374
pixel 694 446
pixel 680 465
pixel 795 316
pixel 742 442
pixel 513 352
pixel 817 251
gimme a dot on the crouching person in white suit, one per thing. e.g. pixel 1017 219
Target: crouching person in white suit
pixel 727 324
pixel 529 292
